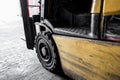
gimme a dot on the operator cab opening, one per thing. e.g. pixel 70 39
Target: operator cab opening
pixel 69 17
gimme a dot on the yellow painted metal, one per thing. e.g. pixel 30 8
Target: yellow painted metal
pixel 91 59
pixel 111 7
pixel 96 5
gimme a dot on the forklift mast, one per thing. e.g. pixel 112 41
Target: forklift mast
pixel 30 13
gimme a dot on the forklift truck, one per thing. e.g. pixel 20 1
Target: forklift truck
pixel 80 37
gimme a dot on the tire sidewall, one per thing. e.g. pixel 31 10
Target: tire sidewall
pixel 52 65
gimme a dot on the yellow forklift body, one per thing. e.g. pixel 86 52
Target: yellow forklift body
pixel 111 7
pixel 96 6
pixel 89 59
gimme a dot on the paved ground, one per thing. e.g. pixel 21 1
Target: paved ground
pixel 16 61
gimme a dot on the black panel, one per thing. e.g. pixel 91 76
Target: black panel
pixel 49 9
pixel 82 20
pixel 28 28
pixel 112 27
pixel 81 6
pixel 36 18
pixel 64 17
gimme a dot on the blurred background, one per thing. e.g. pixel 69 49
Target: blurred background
pixel 9 9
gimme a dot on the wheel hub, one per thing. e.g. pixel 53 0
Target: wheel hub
pixel 44 51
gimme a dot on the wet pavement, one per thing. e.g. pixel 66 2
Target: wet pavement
pixel 16 61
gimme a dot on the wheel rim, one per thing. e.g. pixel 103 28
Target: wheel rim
pixel 45 52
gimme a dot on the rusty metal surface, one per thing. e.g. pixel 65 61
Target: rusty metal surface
pixel 90 59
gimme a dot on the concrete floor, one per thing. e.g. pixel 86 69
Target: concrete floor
pixel 16 61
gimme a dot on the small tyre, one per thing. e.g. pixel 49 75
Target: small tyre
pixel 47 52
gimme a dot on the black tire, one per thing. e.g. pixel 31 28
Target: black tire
pixel 47 52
